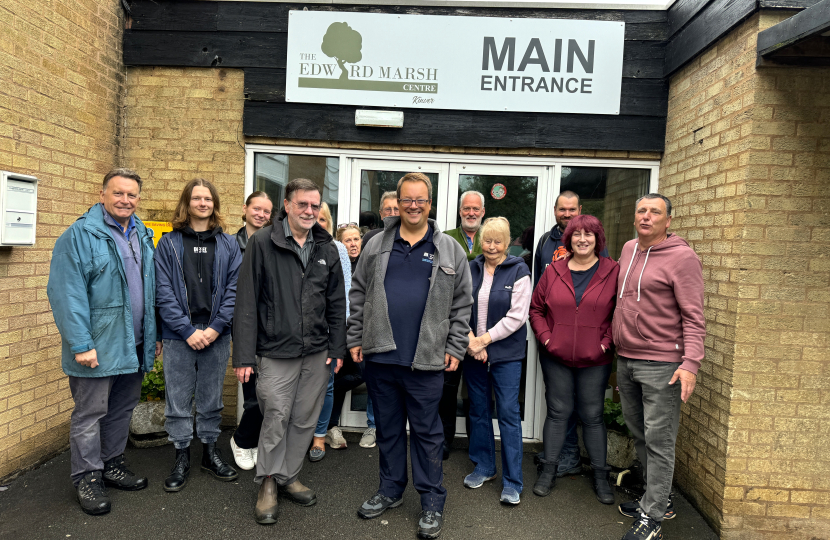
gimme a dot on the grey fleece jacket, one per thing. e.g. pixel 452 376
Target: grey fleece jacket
pixel 445 325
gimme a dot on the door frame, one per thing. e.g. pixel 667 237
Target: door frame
pixel 447 166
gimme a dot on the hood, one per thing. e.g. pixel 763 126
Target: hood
pixel 672 241
pixel 202 236
pixel 556 233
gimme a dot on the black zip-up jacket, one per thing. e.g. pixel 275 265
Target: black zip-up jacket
pixel 283 311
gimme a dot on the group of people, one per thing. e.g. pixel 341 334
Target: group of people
pixel 402 309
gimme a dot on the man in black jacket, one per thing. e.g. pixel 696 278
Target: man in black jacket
pixel 289 322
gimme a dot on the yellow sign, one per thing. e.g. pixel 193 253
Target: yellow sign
pixel 159 228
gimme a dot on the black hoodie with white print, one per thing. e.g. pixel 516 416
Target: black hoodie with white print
pixel 199 251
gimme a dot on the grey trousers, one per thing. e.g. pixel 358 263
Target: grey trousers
pixel 290 394
pixel 100 422
pixel 652 412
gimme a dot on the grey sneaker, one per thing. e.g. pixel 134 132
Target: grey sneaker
pixel 510 496
pixel 429 526
pixel 334 438
pixel 316 454
pixel 377 505
pixel 368 439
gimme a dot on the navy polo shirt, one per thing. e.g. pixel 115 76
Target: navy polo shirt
pixel 408 274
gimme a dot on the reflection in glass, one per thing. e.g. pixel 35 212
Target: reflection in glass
pixel 610 195
pixel 272 172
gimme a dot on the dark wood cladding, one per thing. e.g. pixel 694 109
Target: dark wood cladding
pixel 712 22
pixel 459 128
pixel 253 36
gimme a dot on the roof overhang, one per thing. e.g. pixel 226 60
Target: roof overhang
pixel 801 40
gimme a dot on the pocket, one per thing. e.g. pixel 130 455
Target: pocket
pixel 587 344
pixel 627 332
pixel 561 341
pixel 102 319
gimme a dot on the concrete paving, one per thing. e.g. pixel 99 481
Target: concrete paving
pixel 41 504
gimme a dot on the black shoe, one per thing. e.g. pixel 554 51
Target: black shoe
pixel 178 476
pixel 644 528
pixel 117 475
pixel 299 494
pixel 429 526
pixel 546 479
pixel 377 505
pixel 632 509
pixel 92 494
pixel 445 452
pixel 213 463
pixel 601 486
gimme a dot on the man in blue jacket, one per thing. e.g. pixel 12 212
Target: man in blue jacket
pixel 102 291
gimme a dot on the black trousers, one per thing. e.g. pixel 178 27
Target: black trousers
pixel 247 433
pixel 449 404
pixel 348 378
pixel 400 393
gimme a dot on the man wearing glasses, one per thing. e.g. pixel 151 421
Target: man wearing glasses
pixel 289 322
pixel 103 294
pixel 388 207
pixel 410 303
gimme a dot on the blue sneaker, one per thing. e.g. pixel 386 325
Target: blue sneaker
pixel 475 480
pixel 510 496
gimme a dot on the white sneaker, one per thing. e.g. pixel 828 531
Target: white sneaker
pixel 254 455
pixel 368 439
pixel 334 438
pixel 242 456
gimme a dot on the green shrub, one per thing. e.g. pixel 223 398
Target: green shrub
pixel 152 388
pixel 614 419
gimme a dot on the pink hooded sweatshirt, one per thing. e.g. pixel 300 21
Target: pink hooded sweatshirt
pixel 659 313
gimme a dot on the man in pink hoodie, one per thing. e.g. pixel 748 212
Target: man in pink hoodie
pixel 658 329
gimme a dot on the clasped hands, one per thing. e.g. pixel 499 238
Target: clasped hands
pixel 477 347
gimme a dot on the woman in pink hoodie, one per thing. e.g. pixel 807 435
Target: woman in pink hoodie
pixel 570 313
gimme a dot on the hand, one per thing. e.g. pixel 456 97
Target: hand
pixel 546 342
pixel 482 356
pixel 451 362
pixel 560 253
pixel 357 354
pixel 687 383
pixel 601 346
pixel 198 340
pixel 338 364
pixel 243 374
pixel 478 344
pixel 88 358
pixel 158 348
pixel 211 334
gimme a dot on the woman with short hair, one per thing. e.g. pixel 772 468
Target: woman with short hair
pixel 495 356
pixel 571 315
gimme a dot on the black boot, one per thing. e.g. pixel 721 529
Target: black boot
pixel 546 479
pixel 178 476
pixel 117 475
pixel 601 487
pixel 213 463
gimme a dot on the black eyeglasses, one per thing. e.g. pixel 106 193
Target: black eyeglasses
pixel 409 202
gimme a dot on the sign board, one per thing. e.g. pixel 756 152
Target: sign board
pixel 158 228
pixel 450 62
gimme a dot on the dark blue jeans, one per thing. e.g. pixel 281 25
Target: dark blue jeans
pixel 588 384
pixel 400 393
pixel 194 375
pixel 505 379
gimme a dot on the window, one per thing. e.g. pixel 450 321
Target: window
pixel 272 172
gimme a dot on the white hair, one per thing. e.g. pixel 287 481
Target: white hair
pixel 461 199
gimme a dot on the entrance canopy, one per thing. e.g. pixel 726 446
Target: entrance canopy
pixel 801 40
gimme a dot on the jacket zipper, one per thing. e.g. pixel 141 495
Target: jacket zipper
pixel 184 283
pixel 576 325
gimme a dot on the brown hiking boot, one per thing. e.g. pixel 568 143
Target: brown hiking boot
pixel 265 511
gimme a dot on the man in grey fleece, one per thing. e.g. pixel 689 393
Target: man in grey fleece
pixel 424 275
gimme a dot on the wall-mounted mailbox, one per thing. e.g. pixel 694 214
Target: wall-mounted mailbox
pixel 18 209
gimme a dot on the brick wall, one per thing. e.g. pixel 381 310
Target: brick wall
pixel 62 81
pixel 182 124
pixel 746 165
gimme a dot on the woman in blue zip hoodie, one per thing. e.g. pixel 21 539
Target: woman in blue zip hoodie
pixel 495 355
pixel 196 270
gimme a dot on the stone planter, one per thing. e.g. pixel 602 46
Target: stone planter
pixel 621 452
pixel 147 425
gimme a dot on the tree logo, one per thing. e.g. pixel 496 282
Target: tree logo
pixel 343 44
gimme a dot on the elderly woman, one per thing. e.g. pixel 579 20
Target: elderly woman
pixel 501 297
pixel 351 375
pixel 571 315
pixel 318 444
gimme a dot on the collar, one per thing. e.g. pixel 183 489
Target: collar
pixel 108 219
pixel 426 238
pixel 286 228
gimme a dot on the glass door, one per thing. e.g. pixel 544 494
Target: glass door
pixel 517 193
